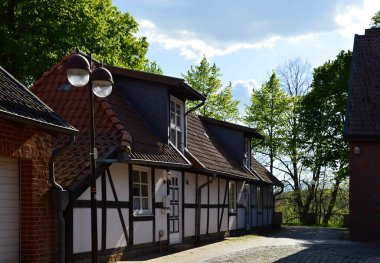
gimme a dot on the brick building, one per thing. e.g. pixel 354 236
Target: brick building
pixel 362 131
pixel 27 219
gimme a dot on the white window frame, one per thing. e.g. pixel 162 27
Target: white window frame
pixel 141 170
pixel 232 196
pixel 247 153
pixel 177 127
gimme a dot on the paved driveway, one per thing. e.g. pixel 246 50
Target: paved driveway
pixel 291 244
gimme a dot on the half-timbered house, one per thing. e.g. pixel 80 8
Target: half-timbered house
pixel 164 175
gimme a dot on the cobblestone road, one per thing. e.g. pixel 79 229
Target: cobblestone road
pixel 291 244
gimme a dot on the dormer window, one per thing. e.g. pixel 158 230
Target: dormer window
pixel 176 123
pixel 247 152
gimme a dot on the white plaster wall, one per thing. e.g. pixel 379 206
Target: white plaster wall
pixel 82 229
pixel 189 222
pixel 222 184
pixel 240 192
pixel 86 194
pixel 160 187
pixel 214 192
pixel 201 180
pixel 142 232
pixel 120 178
pixel 203 220
pixel 213 227
pixel 190 188
pixel 115 234
pixel 161 224
pixel 223 226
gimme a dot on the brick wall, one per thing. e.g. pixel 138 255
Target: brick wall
pixel 32 147
pixel 365 191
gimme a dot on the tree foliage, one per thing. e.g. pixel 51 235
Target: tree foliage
pixel 376 19
pixel 220 104
pixel 323 114
pixel 267 113
pixel 34 35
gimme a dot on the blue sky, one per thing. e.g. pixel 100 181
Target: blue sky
pixel 247 39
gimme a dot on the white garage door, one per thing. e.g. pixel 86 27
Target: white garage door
pixel 9 210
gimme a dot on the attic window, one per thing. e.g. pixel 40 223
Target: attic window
pixel 176 123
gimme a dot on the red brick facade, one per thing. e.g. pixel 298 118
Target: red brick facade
pixel 365 191
pixel 32 147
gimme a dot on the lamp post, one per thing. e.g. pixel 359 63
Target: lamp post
pixel 100 82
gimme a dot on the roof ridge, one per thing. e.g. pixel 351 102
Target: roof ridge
pixel 126 137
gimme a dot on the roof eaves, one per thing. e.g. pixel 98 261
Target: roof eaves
pixel 40 124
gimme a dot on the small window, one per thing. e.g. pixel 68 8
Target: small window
pixel 259 198
pixel 247 152
pixel 176 123
pixel 140 188
pixel 231 197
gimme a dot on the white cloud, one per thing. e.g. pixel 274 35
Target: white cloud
pixel 193 48
pixel 249 85
pixel 353 19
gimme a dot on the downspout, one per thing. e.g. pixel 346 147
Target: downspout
pixel 198 201
pixel 60 200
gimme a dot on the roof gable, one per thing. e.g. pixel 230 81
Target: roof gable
pixel 118 127
pixel 363 105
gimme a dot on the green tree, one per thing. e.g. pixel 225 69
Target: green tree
pixel 322 118
pixel 152 67
pixel 376 19
pixel 295 78
pixel 267 113
pixel 219 103
pixel 35 34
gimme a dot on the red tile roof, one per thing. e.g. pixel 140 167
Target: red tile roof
pixel 205 150
pixel 202 147
pixel 363 106
pixel 117 126
pixel 259 170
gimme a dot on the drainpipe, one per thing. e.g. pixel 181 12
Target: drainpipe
pixel 198 201
pixel 60 199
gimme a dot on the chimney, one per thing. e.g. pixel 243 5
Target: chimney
pixel 373 31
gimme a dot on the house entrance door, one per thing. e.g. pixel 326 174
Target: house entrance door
pixel 175 208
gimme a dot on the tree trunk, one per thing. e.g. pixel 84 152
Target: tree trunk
pixel 334 194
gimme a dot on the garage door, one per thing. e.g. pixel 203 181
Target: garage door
pixel 9 210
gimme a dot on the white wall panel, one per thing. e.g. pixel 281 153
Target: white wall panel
pixel 213 226
pixel 189 222
pixel 115 234
pixel 190 180
pixel 142 232
pixel 82 229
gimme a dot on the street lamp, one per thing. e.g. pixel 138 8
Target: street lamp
pixel 100 82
